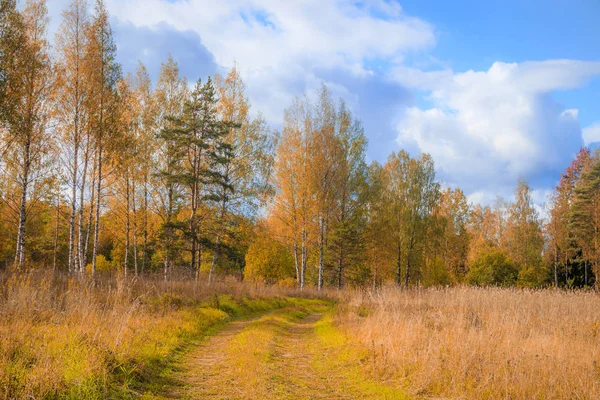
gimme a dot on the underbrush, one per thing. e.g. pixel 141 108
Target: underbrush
pixel 67 337
pixel 480 343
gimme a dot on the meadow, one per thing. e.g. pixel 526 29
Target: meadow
pixel 481 343
pixel 68 338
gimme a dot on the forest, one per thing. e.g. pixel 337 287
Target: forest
pixel 105 171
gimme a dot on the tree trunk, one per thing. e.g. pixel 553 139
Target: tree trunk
pixel 167 260
pixel 20 248
pixel 304 257
pixel 408 261
pixel 193 233
pixel 56 231
pixel 399 265
pixel 127 225
pixel 296 263
pixel 81 255
pixel 72 257
pixel 321 251
pixel 199 262
pixel 218 240
pixel 97 217
pixel 135 228
pixel 90 220
pixel 145 222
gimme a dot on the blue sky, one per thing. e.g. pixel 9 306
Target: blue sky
pixel 473 34
pixel 494 90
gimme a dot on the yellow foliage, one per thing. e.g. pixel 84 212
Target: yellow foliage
pixel 269 261
pixel 102 264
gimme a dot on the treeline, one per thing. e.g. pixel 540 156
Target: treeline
pixel 107 171
pixel 336 220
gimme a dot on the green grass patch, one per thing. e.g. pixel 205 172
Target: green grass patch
pixel 349 360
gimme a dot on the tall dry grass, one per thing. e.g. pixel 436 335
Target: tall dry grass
pixel 481 343
pixel 68 337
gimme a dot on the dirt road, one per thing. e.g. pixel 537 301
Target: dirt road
pixel 286 354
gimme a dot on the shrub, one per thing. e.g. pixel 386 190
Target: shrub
pixel 436 274
pixel 493 268
pixel 269 261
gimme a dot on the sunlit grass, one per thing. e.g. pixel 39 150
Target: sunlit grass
pixel 480 343
pixel 71 339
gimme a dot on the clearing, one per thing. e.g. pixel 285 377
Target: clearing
pixel 291 353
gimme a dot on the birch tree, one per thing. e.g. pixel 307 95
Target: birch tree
pixel 292 205
pixel 71 96
pixel 27 139
pixel 171 94
pixel 104 73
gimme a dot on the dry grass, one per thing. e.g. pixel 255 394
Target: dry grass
pixel 62 337
pixel 482 343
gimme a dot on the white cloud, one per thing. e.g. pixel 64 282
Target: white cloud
pixel 281 45
pixel 265 33
pixel 591 133
pixel 486 129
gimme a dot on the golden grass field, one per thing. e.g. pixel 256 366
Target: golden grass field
pixel 67 338
pixel 481 343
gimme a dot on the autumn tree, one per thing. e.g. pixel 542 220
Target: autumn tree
pixel 123 152
pixel 27 140
pixel 70 93
pixel 252 143
pixel 12 45
pixel 584 218
pixel 325 153
pixel 410 194
pixel 380 243
pixel 292 205
pixel 171 94
pixel 146 139
pixel 454 211
pixel 350 195
pixel 524 241
pixel 559 228
pixel 104 74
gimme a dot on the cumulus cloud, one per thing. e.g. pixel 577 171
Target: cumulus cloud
pixel 152 45
pixel 486 129
pixel 280 45
pixel 591 134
